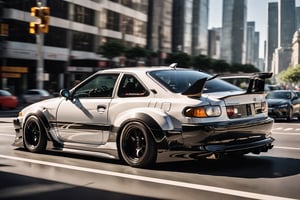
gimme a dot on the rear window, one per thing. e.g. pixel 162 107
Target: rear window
pixel 179 80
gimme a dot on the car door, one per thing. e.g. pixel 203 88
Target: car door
pixel 83 118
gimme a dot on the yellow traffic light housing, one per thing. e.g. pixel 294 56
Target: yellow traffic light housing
pixel 33 28
pixel 44 15
pixel 42 23
pixel 35 12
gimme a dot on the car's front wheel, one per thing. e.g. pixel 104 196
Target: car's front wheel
pixel 137 146
pixel 290 114
pixel 35 139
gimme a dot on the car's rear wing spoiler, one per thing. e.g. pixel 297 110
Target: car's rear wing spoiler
pixel 256 80
pixel 256 83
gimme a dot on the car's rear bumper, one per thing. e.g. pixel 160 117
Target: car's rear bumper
pixel 229 136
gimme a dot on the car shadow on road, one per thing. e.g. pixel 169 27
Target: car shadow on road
pixel 249 166
pixel 15 186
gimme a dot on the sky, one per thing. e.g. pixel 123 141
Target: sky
pixel 257 11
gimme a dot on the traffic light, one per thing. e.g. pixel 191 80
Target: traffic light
pixel 44 15
pixel 35 11
pixel 33 28
pixel 41 25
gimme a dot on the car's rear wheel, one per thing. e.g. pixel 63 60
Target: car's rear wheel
pixel 35 139
pixel 137 146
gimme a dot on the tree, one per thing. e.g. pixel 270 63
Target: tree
pixel 202 62
pixel 183 59
pixel 111 49
pixel 136 53
pixel 291 75
pixel 220 66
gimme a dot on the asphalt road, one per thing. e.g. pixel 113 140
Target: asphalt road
pixel 271 175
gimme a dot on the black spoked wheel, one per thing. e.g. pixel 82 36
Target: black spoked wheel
pixel 290 114
pixel 35 139
pixel 137 146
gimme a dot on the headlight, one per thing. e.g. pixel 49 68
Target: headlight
pixel 202 112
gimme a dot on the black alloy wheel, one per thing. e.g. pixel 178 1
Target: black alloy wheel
pixel 137 146
pixel 34 137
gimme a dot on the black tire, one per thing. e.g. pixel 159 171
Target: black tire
pixel 34 136
pixel 137 147
pixel 290 114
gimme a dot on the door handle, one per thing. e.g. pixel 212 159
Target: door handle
pixel 101 109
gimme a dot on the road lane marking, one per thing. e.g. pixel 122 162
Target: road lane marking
pixel 286 148
pixel 9 135
pixel 285 133
pixel 220 190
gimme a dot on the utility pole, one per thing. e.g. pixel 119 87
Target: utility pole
pixel 40 56
pixel 39 27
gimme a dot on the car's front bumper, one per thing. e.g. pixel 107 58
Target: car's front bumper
pixel 277 112
pixel 19 133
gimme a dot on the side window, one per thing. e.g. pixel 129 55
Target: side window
pixel 98 86
pixel 131 87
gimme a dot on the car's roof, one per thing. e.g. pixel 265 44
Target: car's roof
pixel 281 91
pixel 140 69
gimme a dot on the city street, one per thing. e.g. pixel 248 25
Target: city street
pixel 272 175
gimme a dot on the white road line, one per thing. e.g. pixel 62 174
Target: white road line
pixel 286 148
pixel 156 180
pixel 285 133
pixel 8 135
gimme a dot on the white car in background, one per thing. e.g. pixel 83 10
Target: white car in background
pixel 35 95
pixel 144 114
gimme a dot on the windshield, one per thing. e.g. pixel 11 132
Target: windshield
pixel 279 95
pixel 178 81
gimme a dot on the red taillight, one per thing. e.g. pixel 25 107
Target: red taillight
pixel 232 112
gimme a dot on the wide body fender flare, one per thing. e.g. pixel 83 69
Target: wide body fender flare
pixel 158 122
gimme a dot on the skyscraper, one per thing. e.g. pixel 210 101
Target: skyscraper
pixel 182 26
pixel 249 58
pixel 159 35
pixel 286 29
pixel 234 31
pixel 200 28
pixel 286 22
pixel 272 34
pixel 190 26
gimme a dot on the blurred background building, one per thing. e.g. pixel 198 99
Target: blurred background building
pixel 79 27
pixel 234 27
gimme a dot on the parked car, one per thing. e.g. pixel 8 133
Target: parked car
pixel 35 95
pixel 7 100
pixel 143 114
pixel 283 104
pixel 297 93
pixel 269 87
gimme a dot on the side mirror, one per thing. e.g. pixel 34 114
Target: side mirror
pixel 65 93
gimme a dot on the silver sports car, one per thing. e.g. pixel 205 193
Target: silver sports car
pixel 143 114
